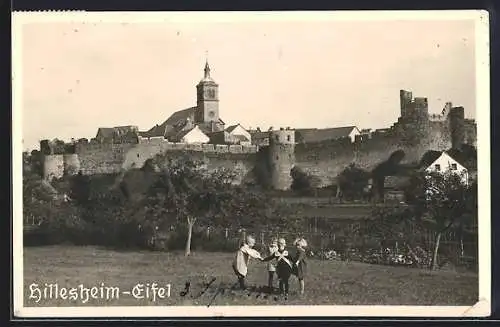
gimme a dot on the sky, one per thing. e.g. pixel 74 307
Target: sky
pixel 77 77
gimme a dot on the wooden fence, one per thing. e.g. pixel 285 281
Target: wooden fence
pixel 453 247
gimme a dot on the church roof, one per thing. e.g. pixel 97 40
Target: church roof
pixel 177 121
pixel 311 135
pixel 180 116
pixel 177 118
pixel 155 131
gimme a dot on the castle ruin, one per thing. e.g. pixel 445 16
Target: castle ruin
pixel 119 149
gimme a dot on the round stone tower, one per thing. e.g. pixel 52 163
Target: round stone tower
pixel 281 157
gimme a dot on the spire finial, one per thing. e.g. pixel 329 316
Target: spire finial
pixel 207 67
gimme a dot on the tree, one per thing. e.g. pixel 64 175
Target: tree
pixel 80 189
pixel 302 182
pixel 441 201
pixel 185 191
pixel 352 182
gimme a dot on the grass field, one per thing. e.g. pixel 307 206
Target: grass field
pixel 328 282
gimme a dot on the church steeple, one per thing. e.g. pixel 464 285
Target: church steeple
pixel 207 111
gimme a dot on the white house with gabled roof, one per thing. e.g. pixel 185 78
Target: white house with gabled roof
pixel 239 133
pixel 193 135
pixel 442 162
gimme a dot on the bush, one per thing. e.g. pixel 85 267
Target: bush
pixel 301 182
pixel 61 224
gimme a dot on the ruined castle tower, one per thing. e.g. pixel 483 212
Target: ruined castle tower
pixel 414 117
pixel 207 111
pixel 281 157
pixel 405 98
pixel 456 120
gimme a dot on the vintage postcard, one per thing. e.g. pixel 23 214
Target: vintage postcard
pixel 280 164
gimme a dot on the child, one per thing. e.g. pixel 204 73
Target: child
pixel 284 265
pixel 300 262
pixel 271 267
pixel 240 263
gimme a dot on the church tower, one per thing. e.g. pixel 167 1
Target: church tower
pixel 207 111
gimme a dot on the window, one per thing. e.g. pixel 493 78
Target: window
pixel 288 138
pixel 438 167
pixel 138 155
pixel 277 138
pixel 454 166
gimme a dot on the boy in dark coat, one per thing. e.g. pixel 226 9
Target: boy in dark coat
pixel 284 266
pixel 300 262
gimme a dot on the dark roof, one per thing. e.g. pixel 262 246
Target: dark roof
pixel 110 132
pixel 183 133
pixel 256 135
pixel 123 130
pixel 127 127
pixel 429 157
pixel 106 132
pixel 155 131
pixel 180 116
pixel 232 128
pixel 174 124
pixel 310 135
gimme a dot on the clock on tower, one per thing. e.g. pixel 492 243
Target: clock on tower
pixel 210 94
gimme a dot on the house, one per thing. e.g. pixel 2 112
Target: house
pixel 118 134
pixel 442 162
pixel 314 135
pixel 105 135
pixel 192 135
pixel 237 134
pixel 125 134
pixel 366 133
pixel 259 137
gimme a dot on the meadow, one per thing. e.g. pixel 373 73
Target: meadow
pixel 210 279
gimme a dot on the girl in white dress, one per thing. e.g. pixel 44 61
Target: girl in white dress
pixel 243 255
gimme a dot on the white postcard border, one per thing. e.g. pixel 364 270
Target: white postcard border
pixel 480 309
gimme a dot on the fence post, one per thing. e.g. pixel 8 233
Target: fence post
pixel 262 238
pixel 208 232
pixel 226 233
